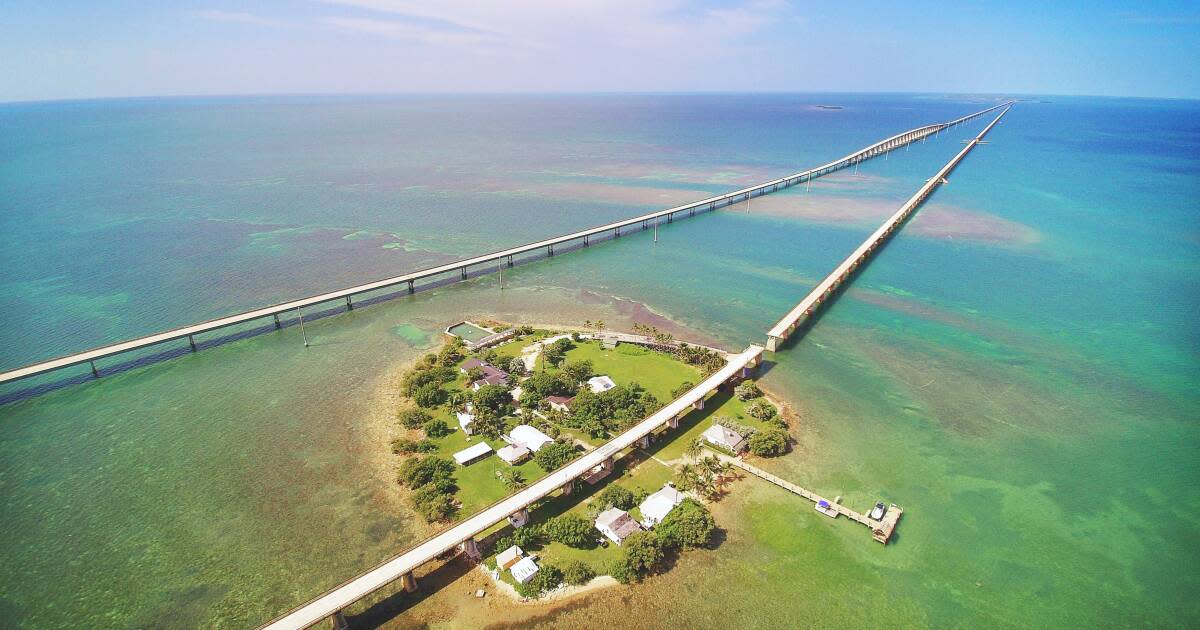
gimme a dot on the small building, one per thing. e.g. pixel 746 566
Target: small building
pixel 656 506
pixel 600 384
pixel 524 570
pixel 725 438
pixel 513 454
pixel 472 453
pixel 616 525
pixel 505 559
pixel 560 403
pixel 528 437
pixel 492 375
pixel 465 420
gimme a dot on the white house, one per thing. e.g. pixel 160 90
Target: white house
pixel 528 437
pixel 505 559
pixel 472 453
pixel 464 420
pixel 656 506
pixel 725 438
pixel 524 570
pixel 513 454
pixel 600 384
pixel 616 524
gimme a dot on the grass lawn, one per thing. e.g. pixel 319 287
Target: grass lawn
pixel 658 373
pixel 478 486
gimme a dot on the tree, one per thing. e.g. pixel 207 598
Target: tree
pixel 429 395
pixel 642 553
pixel 493 398
pixel 683 388
pixel 436 429
pixel 417 472
pixel 578 371
pixel 413 418
pixel 571 530
pixel 769 443
pixel 513 480
pixel 689 525
pixel 747 390
pixel 616 496
pixel 552 456
pixel 577 573
pixel 488 424
pixel 547 579
pixel 452 353
pixel 516 367
pixel 440 508
pixel 474 374
pixel 421 376
pixel 553 354
pixel 762 410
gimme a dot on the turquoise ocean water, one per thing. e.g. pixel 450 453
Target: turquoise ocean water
pixel 1018 369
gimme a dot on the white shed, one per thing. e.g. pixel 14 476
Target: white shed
pixel 472 453
pixel 656 506
pixel 524 570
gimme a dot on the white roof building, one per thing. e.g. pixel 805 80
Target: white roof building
pixel 656 506
pixel 528 437
pixel 725 438
pixel 616 524
pixel 508 557
pixel 600 384
pixel 465 420
pixel 513 453
pixel 524 570
pixel 472 453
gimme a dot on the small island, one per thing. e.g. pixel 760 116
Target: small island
pixel 499 407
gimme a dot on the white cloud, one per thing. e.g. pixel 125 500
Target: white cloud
pixel 405 30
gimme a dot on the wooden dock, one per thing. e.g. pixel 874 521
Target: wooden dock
pixel 881 531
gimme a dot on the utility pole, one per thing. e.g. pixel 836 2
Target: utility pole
pixel 302 334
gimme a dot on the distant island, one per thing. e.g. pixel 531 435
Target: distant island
pixel 830 107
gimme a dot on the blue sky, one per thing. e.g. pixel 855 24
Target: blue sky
pixel 55 50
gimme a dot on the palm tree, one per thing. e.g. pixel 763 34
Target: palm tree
pixel 694 448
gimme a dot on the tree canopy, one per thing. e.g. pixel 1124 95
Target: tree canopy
pixel 769 443
pixel 493 398
pixel 688 525
pixel 571 530
pixel 553 455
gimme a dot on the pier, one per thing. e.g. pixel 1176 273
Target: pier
pixel 881 530
pixel 824 291
pixel 401 567
pixel 486 263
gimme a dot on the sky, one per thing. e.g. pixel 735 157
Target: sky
pixel 120 48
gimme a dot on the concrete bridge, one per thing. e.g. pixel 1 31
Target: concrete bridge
pixel 825 289
pixel 495 260
pixel 514 507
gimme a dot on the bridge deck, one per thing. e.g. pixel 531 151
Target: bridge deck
pixel 388 572
pixel 784 328
pixel 493 258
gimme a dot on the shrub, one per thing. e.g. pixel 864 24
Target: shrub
pixel 616 496
pixel 439 508
pixel 571 530
pixel 429 395
pixel 523 537
pixel 524 330
pixel 688 525
pixel 452 353
pixel 403 446
pixel 436 428
pixel 578 371
pixel 413 418
pixel 516 367
pixel 747 390
pixel 422 376
pixel 682 389
pixel 762 410
pixel 417 472
pixel 553 455
pixel 769 443
pixel 577 573
pixel 575 337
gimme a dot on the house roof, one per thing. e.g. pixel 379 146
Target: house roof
pixel 658 505
pixel 509 557
pixel 723 436
pixel 524 570
pixel 560 400
pixel 528 436
pixel 513 453
pixel 470 364
pixel 600 384
pixel 617 521
pixel 472 452
pixel 464 419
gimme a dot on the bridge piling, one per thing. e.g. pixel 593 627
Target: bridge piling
pixel 338 621
pixel 95 372
pixel 277 324
pixel 408 582
pixel 349 304
pixel 411 288
pixel 192 342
